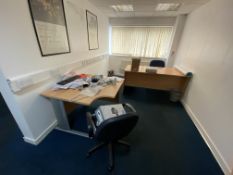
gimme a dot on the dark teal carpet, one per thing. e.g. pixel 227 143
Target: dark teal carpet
pixel 164 142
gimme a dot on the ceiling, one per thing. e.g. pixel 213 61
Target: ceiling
pixel 146 8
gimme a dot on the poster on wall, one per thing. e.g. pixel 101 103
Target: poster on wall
pixel 92 30
pixel 50 26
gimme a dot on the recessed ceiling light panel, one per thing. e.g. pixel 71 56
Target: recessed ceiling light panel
pixel 123 8
pixel 168 6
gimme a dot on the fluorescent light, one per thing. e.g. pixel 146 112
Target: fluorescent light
pixel 123 8
pixel 167 6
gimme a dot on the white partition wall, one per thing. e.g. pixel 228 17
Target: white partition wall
pixel 13 106
pixel 206 48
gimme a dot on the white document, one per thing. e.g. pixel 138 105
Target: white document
pixel 79 83
pixel 91 91
pixel 118 79
pixel 108 111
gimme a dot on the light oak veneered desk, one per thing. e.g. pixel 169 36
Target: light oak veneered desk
pixel 167 78
pixel 66 100
pixel 73 95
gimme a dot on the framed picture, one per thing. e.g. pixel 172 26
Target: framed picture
pixel 92 30
pixel 48 17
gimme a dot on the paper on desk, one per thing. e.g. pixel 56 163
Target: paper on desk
pixel 118 79
pixel 91 91
pixel 57 86
pixel 72 85
pixel 77 83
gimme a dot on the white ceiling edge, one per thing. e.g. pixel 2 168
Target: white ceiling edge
pixel 146 8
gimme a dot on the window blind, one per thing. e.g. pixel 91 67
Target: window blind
pixel 142 41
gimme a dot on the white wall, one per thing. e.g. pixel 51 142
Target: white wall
pixel 20 39
pixel 207 49
pixel 14 108
pixel 20 55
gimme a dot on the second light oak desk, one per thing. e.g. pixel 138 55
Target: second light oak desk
pixel 66 100
pixel 167 78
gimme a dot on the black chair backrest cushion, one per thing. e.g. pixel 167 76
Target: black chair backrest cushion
pixel 116 128
pixel 157 63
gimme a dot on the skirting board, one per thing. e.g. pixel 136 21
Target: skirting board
pixel 221 161
pixel 42 135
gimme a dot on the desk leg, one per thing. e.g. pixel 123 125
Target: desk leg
pixel 60 112
pixel 63 123
pixel 117 98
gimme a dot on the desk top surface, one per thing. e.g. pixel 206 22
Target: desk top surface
pixel 160 70
pixel 74 96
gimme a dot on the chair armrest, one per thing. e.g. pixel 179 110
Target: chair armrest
pixel 129 106
pixel 90 125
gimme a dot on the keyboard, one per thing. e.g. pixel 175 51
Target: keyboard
pixel 68 80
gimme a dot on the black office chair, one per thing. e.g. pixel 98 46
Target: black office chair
pixel 110 131
pixel 157 63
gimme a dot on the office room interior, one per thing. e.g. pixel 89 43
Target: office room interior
pixel 184 111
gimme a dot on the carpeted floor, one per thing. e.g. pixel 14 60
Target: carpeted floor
pixel 164 142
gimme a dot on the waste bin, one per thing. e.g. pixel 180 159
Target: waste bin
pixel 175 95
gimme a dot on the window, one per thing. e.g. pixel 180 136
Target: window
pixel 142 41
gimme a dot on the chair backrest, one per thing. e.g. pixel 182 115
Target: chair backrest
pixel 157 63
pixel 116 128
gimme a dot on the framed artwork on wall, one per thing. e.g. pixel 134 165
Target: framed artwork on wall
pixel 48 18
pixel 92 30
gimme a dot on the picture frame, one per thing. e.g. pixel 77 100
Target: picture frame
pixel 49 22
pixel 92 30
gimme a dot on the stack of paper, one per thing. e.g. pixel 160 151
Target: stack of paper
pixel 79 83
pixel 91 91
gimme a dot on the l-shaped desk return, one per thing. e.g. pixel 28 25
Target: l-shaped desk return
pixel 66 100
pixel 167 78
